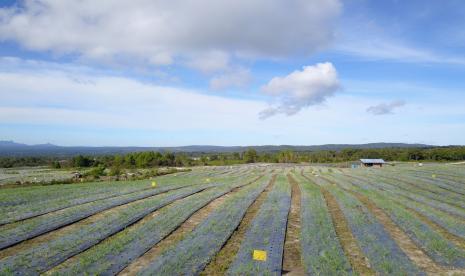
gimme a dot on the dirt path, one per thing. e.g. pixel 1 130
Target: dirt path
pixel 50 236
pixel 20 242
pixel 109 239
pixel 61 209
pixel 177 235
pixel 292 261
pixel 225 256
pixel 426 189
pixel 415 253
pixel 349 244
pixel 458 241
pixel 456 216
pixel 352 250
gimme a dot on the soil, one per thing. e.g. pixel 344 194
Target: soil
pixel 357 259
pixel 413 199
pixel 177 235
pixel 416 254
pixel 457 240
pixel 221 262
pixel 292 261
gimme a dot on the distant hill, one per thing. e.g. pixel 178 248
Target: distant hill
pixel 10 148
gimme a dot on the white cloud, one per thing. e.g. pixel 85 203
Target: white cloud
pixel 301 89
pixel 41 93
pixel 209 62
pixel 75 105
pixel 233 78
pixel 386 49
pixel 162 32
pixel 365 38
pixel 385 108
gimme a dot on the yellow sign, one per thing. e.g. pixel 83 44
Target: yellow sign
pixel 259 255
pixel 207 180
pixel 154 184
pixel 433 176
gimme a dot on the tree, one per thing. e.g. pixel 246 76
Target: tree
pixel 203 159
pixel 56 165
pixel 82 161
pixel 287 156
pixel 129 160
pixel 97 171
pixel 115 171
pixel 236 156
pixel 250 156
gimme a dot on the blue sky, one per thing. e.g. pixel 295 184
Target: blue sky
pixel 155 73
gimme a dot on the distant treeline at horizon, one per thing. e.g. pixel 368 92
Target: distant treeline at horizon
pixel 149 159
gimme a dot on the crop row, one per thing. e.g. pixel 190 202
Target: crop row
pixel 452 173
pixel 267 233
pixel 436 185
pixel 41 194
pixel 444 219
pixel 418 196
pixel 117 189
pixel 39 200
pixel 439 177
pixel 321 252
pixel 114 254
pixel 383 253
pixel 81 236
pixel 436 246
pixel 15 233
pixel 192 254
pixel 35 194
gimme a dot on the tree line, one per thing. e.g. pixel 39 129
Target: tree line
pixel 151 159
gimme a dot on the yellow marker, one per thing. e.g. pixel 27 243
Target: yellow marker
pixel 154 184
pixel 433 176
pixel 207 180
pixel 259 255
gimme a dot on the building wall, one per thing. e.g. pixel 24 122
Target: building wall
pixel 376 165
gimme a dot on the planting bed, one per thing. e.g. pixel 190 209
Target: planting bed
pixel 267 233
pixel 192 254
pixel 309 220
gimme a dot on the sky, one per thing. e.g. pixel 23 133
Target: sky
pixel 232 72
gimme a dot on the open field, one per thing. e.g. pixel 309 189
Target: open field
pixel 34 174
pixel 400 220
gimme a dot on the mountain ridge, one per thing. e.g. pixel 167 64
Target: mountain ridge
pixel 11 148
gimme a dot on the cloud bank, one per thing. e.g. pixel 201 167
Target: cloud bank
pixel 300 89
pixel 202 34
pixel 385 108
pixel 74 105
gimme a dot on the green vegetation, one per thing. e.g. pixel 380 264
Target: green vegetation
pixel 400 220
pixel 152 159
pixel 322 254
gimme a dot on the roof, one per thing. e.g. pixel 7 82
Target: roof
pixel 375 161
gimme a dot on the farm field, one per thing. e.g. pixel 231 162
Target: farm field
pixel 257 219
pixel 35 174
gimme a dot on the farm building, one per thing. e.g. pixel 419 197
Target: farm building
pixel 372 162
